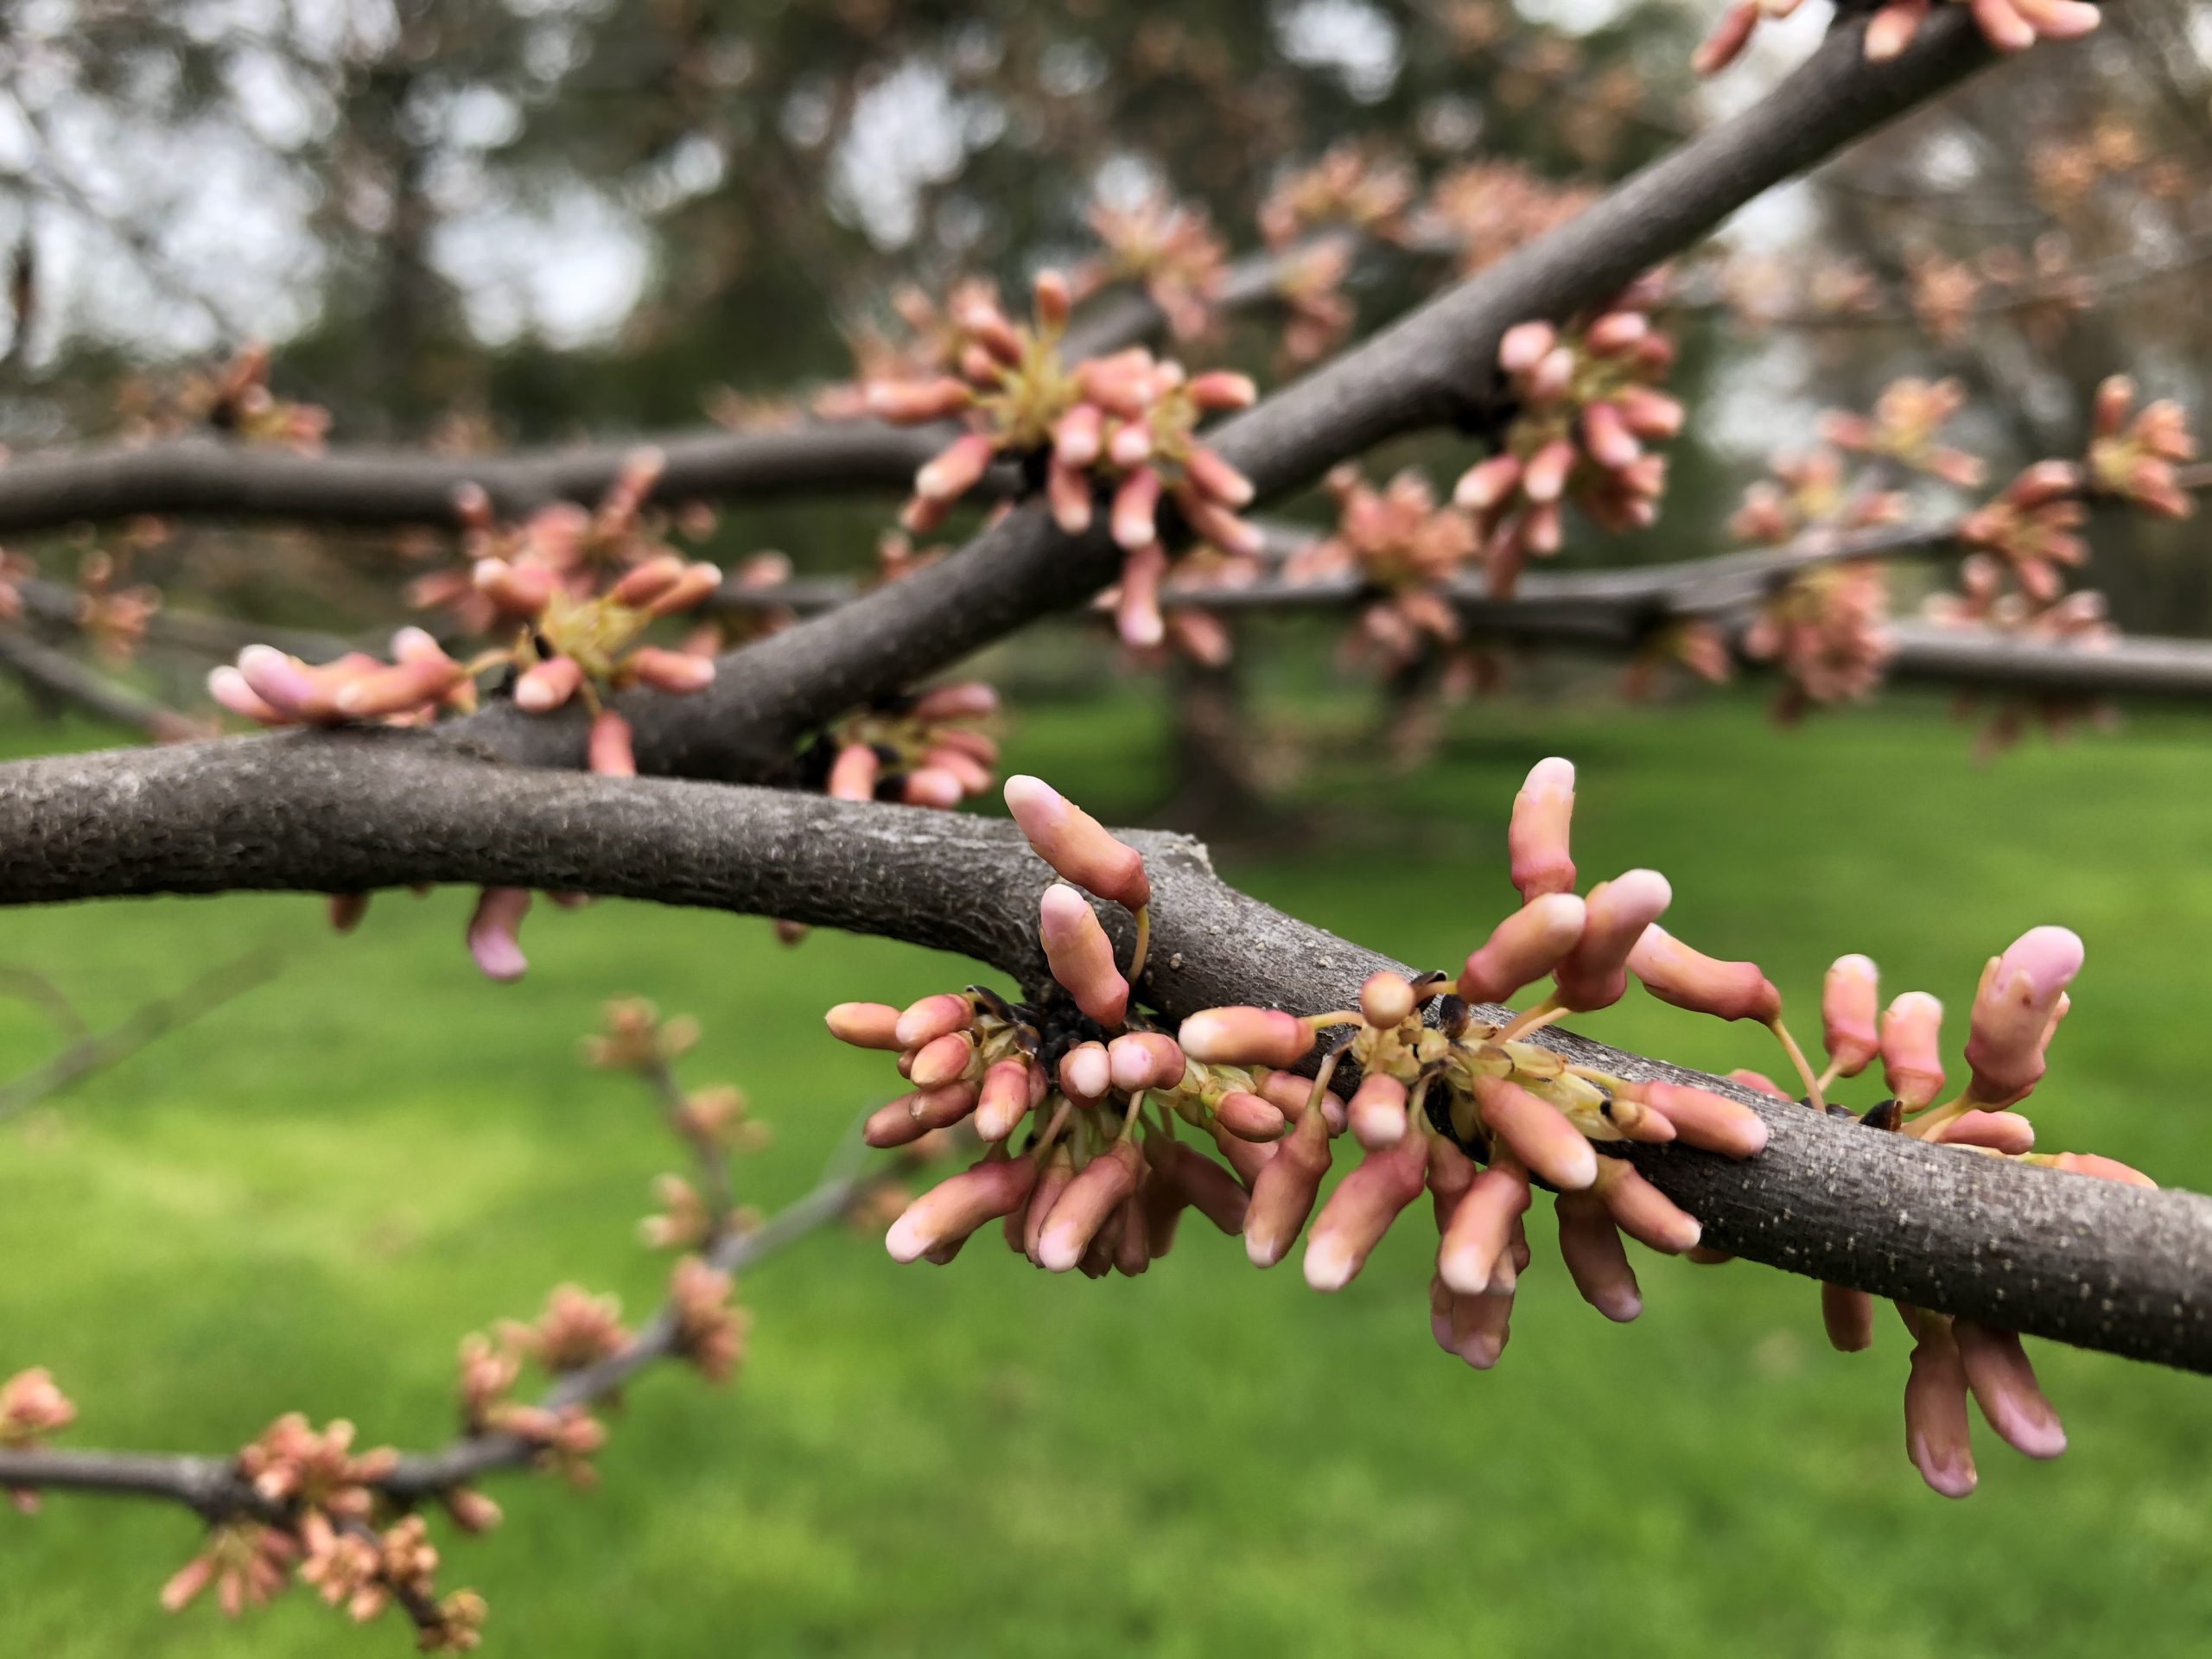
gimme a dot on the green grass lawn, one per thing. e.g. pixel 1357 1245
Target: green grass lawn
pixel 305 1198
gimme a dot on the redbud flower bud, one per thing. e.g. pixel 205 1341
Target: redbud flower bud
pixel 1847 1005
pixel 1544 480
pixel 676 672
pixel 1008 1091
pixel 853 774
pixel 1702 1118
pixel 866 1025
pixel 1097 1188
pixel 1223 389
pixel 1523 948
pixel 1144 1059
pixel 1605 434
pixel 1935 1432
pixel 1849 1316
pixel 1362 1209
pixel 1615 915
pixel 911 403
pixel 1086 1072
pixel 1081 955
pixel 1591 1246
pixel 955 468
pixel 609 753
pixel 1205 1185
pixel 1134 504
pixel 931 1018
pixel 543 687
pixel 1243 1036
pixel 491 930
pixel 1536 837
pixel 1385 998
pixel 1643 1212
pixel 2005 1132
pixel 1075 844
pixel 1689 979
pixel 1067 491
pixel 953 1209
pixel 1284 1190
pixel 1250 1116
pixel 1487 483
pixel 1525 344
pixel 941 1059
pixel 1377 1111
pixel 2104 1168
pixel 1912 1069
pixel 1473 1253
pixel 2021 999
pixel 911 1116
pixel 1137 615
pixel 1079 436
pixel 1539 1136
pixel 1217 478
pixel 932 787
pixel 2003 1385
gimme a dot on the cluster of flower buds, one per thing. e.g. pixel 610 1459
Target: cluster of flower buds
pixel 1075 1092
pixel 928 346
pixel 1352 186
pixel 1586 405
pixel 2134 459
pixel 1907 427
pixel 236 400
pixel 1827 628
pixel 1989 601
pixel 1127 421
pixel 1168 248
pixel 931 748
pixel 31 1407
pixel 111 611
pixel 2033 525
pixel 2007 25
pixel 1405 548
pixel 1809 492
pixel 1450 1080
pixel 1309 288
pixel 272 688
pixel 2022 997
pixel 1487 209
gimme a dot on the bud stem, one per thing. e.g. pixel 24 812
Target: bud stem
pixel 1813 1087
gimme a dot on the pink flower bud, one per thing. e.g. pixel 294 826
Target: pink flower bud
pixel 1205 1185
pixel 644 583
pixel 1935 1432
pixel 284 682
pixel 1098 1188
pixel 1385 998
pixel 1009 1088
pixel 1378 1112
pixel 1362 1209
pixel 2005 1132
pixel 1250 1116
pixel 1689 979
pixel 2003 1385
pixel 229 687
pixel 1144 1059
pixel 921 1112
pixel 955 469
pixel 2103 1168
pixel 911 403
pixel 676 672
pixel 1847 1005
pixel 1052 1181
pixel 1243 1036
pixel 2002 26
pixel 1912 1068
pixel 1849 1316
pixel 1473 1254
pixel 1702 1118
pixel 866 1025
pixel 1217 478
pixel 1549 381
pixel 491 930
pixel 853 774
pixel 1284 1190
pixel 1067 492
pixel 1544 479
pixel 1219 390
pixel 607 752
pixel 1649 414
pixel 1051 297
pixel 1075 844
pixel 2021 999
pixel 1135 502
pixel 1523 948
pixel 1536 837
pixel 1616 332
pixel 1137 616
pixel 1524 345
pixel 1087 1071
pixel 1078 437
pixel 1605 435
pixel 1130 445
pixel 941 1059
pixel 1539 1135
pixel 1211 522
pixel 926 1020
pixel 1591 1246
pixel 1615 915
pixel 1643 1212
pixel 1081 955
pixel 543 687
pixel 932 787
pixel 953 1209
pixel 1487 483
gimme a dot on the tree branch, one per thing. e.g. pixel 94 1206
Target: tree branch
pixel 2094 1263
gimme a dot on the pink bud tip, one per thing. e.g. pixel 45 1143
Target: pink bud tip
pixel 1595 972
pixel 1075 844
pixel 1527 946
pixel 931 1018
pixel 1848 1003
pixel 1385 998
pixel 865 1025
pixel 1086 1072
pixel 1912 1066
pixel 2020 1002
pixel 1081 955
pixel 1243 1036
pixel 1689 979
pixel 1536 837
pixel 492 932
